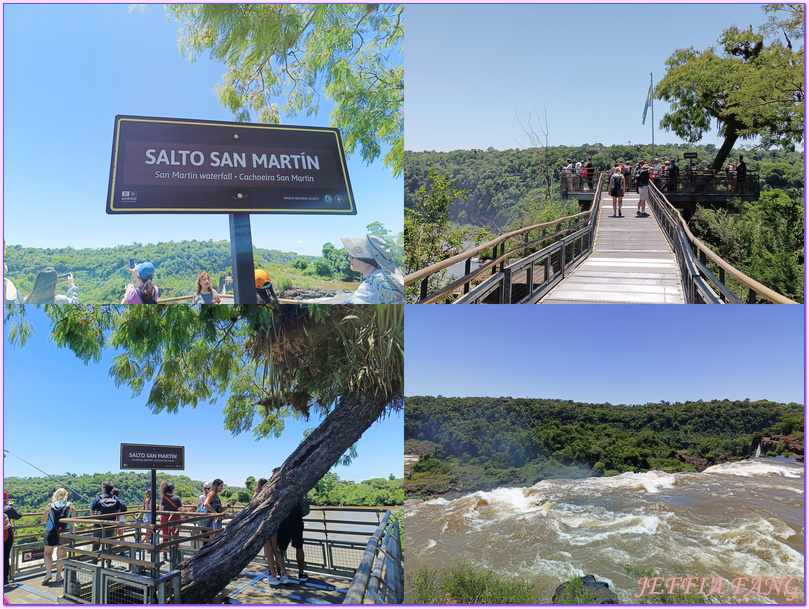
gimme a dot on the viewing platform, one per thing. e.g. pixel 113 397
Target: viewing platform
pixel 353 555
pixel 690 188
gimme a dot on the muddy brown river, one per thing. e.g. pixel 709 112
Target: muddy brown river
pixel 735 530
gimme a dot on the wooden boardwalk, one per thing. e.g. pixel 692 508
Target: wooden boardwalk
pixel 631 263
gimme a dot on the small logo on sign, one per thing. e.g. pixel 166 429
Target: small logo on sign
pixel 339 198
pixel 328 198
pixel 129 196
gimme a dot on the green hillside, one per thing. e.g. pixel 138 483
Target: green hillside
pixel 479 442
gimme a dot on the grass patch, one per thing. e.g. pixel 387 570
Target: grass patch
pixel 465 585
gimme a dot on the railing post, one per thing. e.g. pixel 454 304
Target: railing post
pixel 423 288
pixel 751 296
pixel 505 290
pixel 467 270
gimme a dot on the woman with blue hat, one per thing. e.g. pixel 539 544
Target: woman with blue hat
pixel 142 291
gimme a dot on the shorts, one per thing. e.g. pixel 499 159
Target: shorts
pixel 643 192
pixel 290 531
pixel 51 538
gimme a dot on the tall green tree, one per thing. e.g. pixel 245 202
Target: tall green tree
pixel 287 58
pixel 429 237
pixel 340 365
pixel 753 87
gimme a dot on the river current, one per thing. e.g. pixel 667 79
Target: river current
pixel 730 522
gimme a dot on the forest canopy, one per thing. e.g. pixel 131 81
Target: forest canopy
pixel 522 441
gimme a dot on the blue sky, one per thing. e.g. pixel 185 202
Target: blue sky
pixel 611 353
pixel 68 70
pixel 63 416
pixel 472 70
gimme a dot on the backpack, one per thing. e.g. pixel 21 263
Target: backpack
pixel 615 180
pixel 108 505
pixel 57 514
pixel 304 506
pixel 201 506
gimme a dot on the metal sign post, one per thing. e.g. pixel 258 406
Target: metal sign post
pixel 241 253
pixel 152 457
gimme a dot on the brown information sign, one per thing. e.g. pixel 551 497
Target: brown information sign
pixel 172 165
pixel 147 456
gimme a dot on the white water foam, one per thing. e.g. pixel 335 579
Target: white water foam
pixel 759 467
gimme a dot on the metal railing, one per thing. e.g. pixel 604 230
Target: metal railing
pixel 687 182
pixel 700 284
pixel 380 577
pixel 526 280
pixel 111 568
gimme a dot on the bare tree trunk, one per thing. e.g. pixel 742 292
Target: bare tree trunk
pixel 731 135
pixel 208 572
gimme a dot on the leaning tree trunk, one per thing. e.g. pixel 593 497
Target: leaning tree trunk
pixel 209 571
pixel 731 135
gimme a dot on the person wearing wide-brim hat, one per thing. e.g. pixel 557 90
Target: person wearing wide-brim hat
pixel 383 282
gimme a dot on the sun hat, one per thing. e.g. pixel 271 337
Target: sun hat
pixel 373 248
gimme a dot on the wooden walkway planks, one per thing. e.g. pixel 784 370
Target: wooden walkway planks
pixel 631 263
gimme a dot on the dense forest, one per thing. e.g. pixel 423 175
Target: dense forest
pixel 478 442
pixel 497 181
pixel 34 494
pixel 101 274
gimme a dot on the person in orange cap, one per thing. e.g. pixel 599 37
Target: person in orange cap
pixel 264 292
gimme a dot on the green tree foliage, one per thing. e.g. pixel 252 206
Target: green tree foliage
pixel 428 235
pixel 487 441
pixel 330 490
pixel 102 274
pixel 302 53
pixel 764 239
pixel 753 87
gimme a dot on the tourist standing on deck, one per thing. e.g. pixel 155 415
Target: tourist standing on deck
pixel 104 505
pixel 141 291
pixel 264 292
pixel 59 508
pixel 275 560
pixel 291 531
pixel 206 488
pixel 146 536
pixel 204 293
pixel 589 172
pixel 741 175
pixel 657 172
pixel 617 186
pixel 214 504
pixel 169 502
pixel 643 189
pixel 9 513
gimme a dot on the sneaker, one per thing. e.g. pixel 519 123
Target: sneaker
pixel 303 578
pixel 284 579
pixel 273 581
